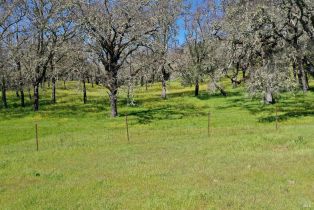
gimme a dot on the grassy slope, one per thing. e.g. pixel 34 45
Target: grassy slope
pixel 85 161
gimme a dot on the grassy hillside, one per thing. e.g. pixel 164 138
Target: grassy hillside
pixel 85 161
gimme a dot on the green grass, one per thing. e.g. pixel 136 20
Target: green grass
pixel 85 162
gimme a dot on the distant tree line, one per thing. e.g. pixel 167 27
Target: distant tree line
pixel 266 45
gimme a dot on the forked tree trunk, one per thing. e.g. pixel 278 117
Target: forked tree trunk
pixel 4 94
pixel 53 94
pixel 36 97
pixel 197 87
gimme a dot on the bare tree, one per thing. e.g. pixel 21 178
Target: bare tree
pixel 50 27
pixel 114 30
pixel 167 13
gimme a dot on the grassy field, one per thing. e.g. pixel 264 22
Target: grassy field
pixel 85 161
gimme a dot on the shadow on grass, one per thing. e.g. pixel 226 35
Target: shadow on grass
pixel 69 108
pixel 71 105
pixel 172 112
pixel 289 107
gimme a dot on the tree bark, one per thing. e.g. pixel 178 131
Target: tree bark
pixel 113 102
pixel 302 75
pixel 164 89
pixel 295 71
pixel 84 92
pixel 165 76
pixel 36 97
pixel 142 81
pixel 21 84
pixel 17 93
pixel 4 94
pixel 197 88
pixel 29 93
pixel 53 94
pixel 243 75
pixel 22 97
pixel 269 99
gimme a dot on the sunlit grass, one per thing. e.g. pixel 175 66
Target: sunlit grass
pixel 85 161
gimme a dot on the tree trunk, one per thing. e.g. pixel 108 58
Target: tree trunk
pixel 65 87
pixel 113 102
pixel 129 94
pixel 164 89
pixel 29 93
pixel 4 94
pixel 302 75
pixel 36 97
pixel 142 81
pixel 269 99
pixel 17 93
pixel 221 90
pixel 197 88
pixel 295 71
pixel 84 92
pixel 244 75
pixel 22 97
pixel 53 94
